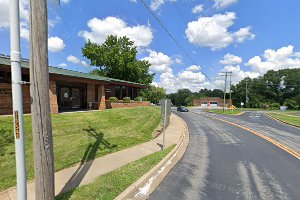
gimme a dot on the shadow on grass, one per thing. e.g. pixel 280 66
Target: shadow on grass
pixel 85 163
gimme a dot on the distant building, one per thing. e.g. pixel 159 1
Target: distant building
pixel 211 102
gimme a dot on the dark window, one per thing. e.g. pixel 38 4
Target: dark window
pixel 124 92
pixel 96 93
pixel 130 92
pixel 2 77
pixel 118 92
pixel 25 77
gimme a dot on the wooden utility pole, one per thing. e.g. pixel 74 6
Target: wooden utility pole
pixel 225 86
pixel 230 74
pixel 40 102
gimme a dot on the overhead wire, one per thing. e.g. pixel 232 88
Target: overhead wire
pixel 174 39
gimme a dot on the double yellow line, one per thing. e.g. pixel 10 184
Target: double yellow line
pixel 281 146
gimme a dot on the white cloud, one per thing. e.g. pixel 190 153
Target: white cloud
pixel 281 58
pixel 159 62
pixel 214 31
pixel 230 59
pixel 65 1
pixel 133 1
pixel 62 65
pixel 55 44
pixel 178 60
pixel 76 61
pixel 194 68
pixel 156 4
pixel 197 9
pixel 220 4
pixel 100 28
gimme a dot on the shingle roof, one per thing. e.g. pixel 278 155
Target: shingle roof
pixel 5 60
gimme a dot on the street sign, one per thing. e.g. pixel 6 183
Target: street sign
pixel 242 103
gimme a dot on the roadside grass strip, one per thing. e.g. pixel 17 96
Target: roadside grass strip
pixel 286 118
pixel 110 185
pixel 281 146
pixel 79 137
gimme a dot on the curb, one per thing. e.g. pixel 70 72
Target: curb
pixel 282 121
pixel 145 185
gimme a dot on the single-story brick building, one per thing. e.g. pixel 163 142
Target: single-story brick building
pixel 211 101
pixel 68 90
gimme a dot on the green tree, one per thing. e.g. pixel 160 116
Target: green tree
pixel 116 58
pixel 183 97
pixel 153 94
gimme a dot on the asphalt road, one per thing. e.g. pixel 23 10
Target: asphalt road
pixel 223 161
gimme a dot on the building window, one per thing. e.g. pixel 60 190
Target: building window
pixel 118 92
pixel 129 92
pixel 124 92
pixel 96 93
pixel 2 77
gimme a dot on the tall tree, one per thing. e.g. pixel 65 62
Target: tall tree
pixel 116 58
pixel 153 94
pixel 40 102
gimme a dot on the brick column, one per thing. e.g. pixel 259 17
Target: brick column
pixel 53 97
pixel 90 93
pixel 101 96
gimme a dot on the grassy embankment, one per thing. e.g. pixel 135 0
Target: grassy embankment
pixel 288 118
pixel 80 136
pixel 110 185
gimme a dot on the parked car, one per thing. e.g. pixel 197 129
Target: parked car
pixel 182 109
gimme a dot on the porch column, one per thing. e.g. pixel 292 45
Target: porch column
pixel 101 96
pixel 53 97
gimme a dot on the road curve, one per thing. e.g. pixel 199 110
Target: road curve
pixel 223 161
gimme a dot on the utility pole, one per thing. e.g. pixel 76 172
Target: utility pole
pixel 230 74
pixel 225 86
pixel 246 103
pixel 40 102
pixel 17 98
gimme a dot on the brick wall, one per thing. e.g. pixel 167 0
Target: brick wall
pixel 6 99
pixel 53 97
pixel 101 96
pixel 90 92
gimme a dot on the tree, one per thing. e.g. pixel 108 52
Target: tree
pixel 40 102
pixel 116 58
pixel 153 94
pixel 183 97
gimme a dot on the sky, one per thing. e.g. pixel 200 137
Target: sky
pixel 247 37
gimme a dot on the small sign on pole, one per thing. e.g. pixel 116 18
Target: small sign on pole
pixel 166 113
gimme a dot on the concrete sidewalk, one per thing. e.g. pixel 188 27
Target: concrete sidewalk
pixel 86 173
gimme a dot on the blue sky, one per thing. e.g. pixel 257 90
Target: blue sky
pixel 246 37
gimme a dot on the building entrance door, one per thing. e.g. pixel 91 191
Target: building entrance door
pixel 70 98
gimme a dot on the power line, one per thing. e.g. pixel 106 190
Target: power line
pixel 174 39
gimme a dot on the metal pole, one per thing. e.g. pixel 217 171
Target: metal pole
pixel 17 97
pixel 165 122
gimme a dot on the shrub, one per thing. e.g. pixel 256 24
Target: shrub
pixel 144 99
pixel 138 98
pixel 291 104
pixel 275 105
pixel 126 99
pixel 113 99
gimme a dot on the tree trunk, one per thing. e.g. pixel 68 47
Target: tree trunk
pixel 40 102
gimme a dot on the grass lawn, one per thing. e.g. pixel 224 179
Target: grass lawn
pixel 79 137
pixel 110 185
pixel 287 118
pixel 227 112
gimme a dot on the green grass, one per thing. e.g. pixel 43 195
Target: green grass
pixel 288 119
pixel 79 137
pixel 110 185
pixel 227 112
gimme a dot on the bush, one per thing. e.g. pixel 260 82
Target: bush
pixel 275 105
pixel 126 99
pixel 138 98
pixel 113 99
pixel 144 99
pixel 291 104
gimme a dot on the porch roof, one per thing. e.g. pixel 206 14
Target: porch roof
pixel 5 60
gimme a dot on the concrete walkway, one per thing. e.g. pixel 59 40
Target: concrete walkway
pixel 86 173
